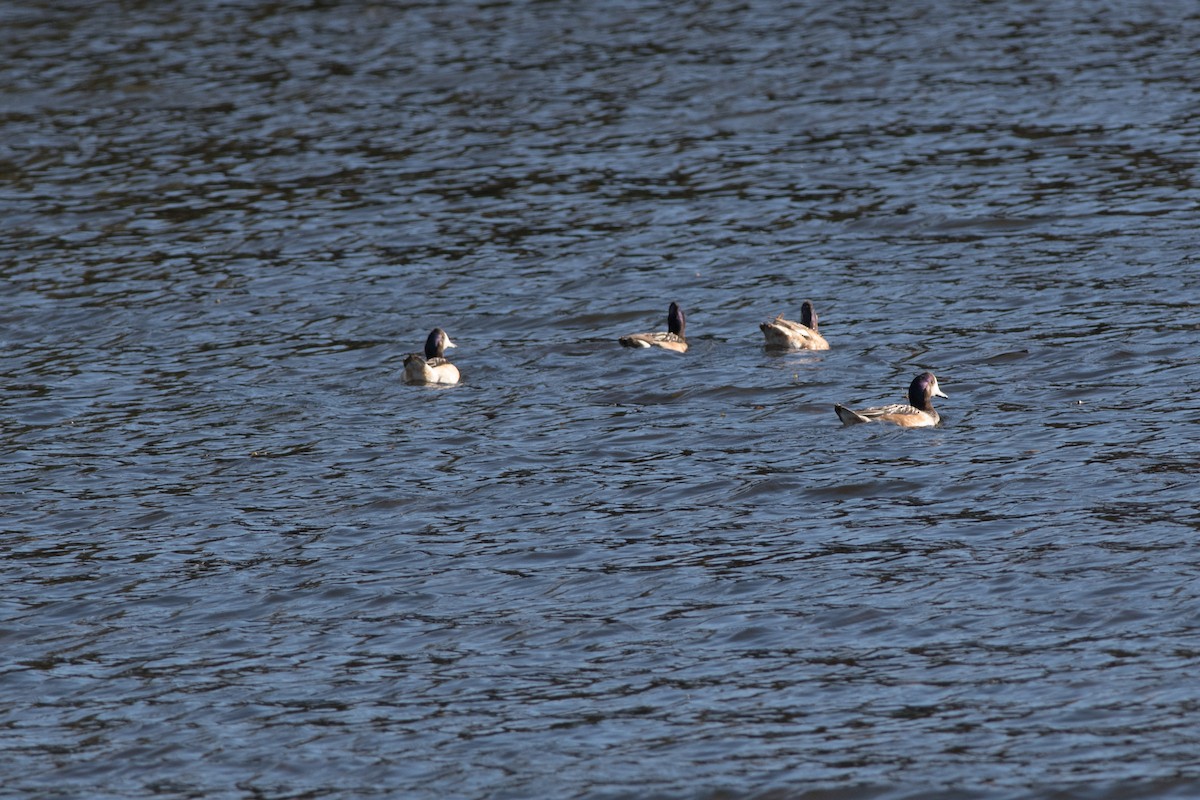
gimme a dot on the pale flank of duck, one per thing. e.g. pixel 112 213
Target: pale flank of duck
pixel 672 339
pixel 432 367
pixel 435 371
pixel 787 335
pixel 918 412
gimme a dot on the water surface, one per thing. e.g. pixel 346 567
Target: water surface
pixel 243 560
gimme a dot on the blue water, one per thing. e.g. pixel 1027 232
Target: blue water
pixel 242 559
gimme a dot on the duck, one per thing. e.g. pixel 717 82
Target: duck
pixel 432 367
pixel 785 334
pixel 671 340
pixel 918 412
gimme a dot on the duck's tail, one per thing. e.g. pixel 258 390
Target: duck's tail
pixel 847 416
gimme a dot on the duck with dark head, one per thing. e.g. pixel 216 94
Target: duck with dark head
pixel 918 412
pixel 783 334
pixel 432 366
pixel 672 339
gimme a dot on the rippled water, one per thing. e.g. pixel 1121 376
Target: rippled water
pixel 241 559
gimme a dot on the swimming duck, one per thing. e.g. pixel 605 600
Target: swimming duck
pixel 431 367
pixel 802 335
pixel 671 340
pixel 918 412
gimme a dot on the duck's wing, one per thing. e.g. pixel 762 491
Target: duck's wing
pixel 895 409
pixel 901 414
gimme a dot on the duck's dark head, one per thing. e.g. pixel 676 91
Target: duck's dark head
pixel 808 317
pixel 675 320
pixel 437 343
pixel 924 387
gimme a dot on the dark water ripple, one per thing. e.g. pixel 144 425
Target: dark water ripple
pixel 243 560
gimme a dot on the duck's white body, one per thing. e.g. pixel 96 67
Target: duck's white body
pixel 435 370
pixel 788 335
pixel 667 341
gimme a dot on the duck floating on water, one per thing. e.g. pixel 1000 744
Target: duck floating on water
pixel 787 335
pixel 673 339
pixel 432 367
pixel 918 412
